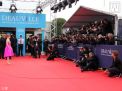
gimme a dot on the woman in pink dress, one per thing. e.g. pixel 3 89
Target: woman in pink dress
pixel 8 49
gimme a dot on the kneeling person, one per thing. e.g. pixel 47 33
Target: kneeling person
pixel 91 63
pixel 116 68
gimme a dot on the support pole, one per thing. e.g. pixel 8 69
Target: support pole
pixel 42 52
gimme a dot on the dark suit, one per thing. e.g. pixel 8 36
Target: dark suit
pixel 37 48
pixel 14 45
pixel 2 47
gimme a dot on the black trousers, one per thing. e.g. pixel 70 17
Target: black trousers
pixel 113 71
pixel 2 53
pixel 36 52
pixel 15 50
pixel 20 48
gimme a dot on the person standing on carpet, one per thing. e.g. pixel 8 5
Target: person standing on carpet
pixel 20 45
pixel 8 53
pixel 2 44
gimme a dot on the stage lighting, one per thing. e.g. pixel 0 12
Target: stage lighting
pixel 0 3
pixel 39 10
pixel 64 4
pixel 55 8
pixel 60 6
pixel 13 8
pixel 76 1
pixel 70 2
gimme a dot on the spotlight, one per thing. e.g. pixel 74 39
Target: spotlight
pixel 13 8
pixel 64 4
pixel 0 3
pixel 55 8
pixel 60 6
pixel 76 1
pixel 70 3
pixel 39 10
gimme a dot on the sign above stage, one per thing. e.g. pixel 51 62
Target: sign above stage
pixel 22 20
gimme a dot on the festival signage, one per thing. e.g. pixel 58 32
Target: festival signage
pixel 22 20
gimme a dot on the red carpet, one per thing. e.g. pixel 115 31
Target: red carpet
pixel 29 74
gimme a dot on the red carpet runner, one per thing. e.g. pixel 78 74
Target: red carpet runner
pixel 29 74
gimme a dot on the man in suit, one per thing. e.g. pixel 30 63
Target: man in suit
pixel 20 45
pixel 14 44
pixel 0 49
pixel 37 47
pixel 2 46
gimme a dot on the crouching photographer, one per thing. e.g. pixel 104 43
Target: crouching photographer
pixel 53 53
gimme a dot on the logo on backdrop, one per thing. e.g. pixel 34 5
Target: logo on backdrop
pixel 60 46
pixel 106 52
pixel 70 48
pixel 115 6
pixel 20 19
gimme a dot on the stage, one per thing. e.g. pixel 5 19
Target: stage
pixel 29 74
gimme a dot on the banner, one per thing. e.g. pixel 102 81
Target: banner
pixel 22 20
pixel 103 52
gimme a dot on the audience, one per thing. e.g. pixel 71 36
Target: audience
pixel 98 32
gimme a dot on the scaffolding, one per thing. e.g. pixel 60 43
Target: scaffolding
pixel 43 4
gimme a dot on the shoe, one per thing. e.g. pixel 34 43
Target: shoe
pixel 82 70
pixel 77 65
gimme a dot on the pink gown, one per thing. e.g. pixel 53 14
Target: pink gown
pixel 8 49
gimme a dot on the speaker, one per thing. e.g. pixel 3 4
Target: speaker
pixel 0 3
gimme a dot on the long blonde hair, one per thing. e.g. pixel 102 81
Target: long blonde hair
pixel 8 41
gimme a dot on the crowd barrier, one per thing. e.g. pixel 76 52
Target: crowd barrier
pixel 103 52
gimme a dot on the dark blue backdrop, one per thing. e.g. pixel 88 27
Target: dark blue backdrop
pixel 103 52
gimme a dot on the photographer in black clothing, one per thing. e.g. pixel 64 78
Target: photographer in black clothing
pixel 116 68
pixel 83 61
pixel 83 55
pixel 91 63
pixel 53 53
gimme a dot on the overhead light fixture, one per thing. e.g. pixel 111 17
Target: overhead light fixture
pixel 70 2
pixel 76 1
pixel 55 8
pixel 60 6
pixel 39 10
pixel 64 4
pixel 0 3
pixel 13 8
